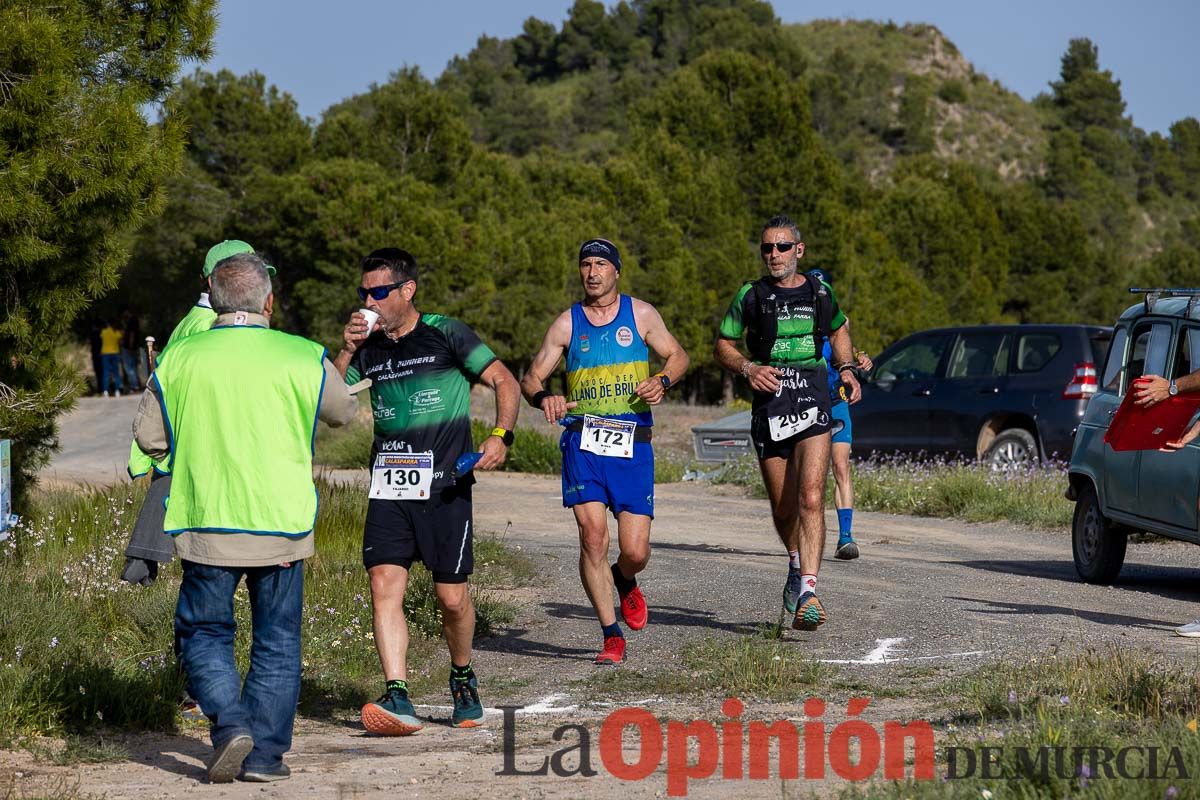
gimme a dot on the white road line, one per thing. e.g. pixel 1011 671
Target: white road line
pixel 883 648
pixel 547 705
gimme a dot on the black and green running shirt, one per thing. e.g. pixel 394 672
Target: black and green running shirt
pixel 421 389
pixel 794 345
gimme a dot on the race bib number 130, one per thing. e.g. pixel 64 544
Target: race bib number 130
pixel 402 476
pixel 607 437
pixel 788 425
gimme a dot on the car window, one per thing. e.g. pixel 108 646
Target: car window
pixel 1100 344
pixel 1148 355
pixel 913 361
pixel 1187 353
pixel 979 355
pixel 1034 350
pixel 1116 360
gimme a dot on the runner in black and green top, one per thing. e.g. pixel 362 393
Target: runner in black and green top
pixel 782 316
pixel 421 367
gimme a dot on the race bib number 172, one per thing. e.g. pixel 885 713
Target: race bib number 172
pixel 402 476
pixel 607 437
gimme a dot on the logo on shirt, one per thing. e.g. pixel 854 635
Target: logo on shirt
pixel 425 401
pixel 624 336
pixel 382 410
pixel 585 344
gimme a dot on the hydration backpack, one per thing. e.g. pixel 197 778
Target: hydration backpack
pixel 762 321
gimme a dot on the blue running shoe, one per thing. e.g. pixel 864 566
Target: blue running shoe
pixel 792 590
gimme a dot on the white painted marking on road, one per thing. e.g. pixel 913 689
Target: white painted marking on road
pixel 883 648
pixel 547 705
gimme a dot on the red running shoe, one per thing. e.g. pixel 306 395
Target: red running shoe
pixel 633 609
pixel 613 652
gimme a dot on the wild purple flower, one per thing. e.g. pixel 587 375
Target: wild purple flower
pixel 1171 792
pixel 1064 700
pixel 1012 696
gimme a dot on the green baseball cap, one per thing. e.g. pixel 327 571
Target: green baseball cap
pixel 222 251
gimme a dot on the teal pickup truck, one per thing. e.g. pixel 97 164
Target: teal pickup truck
pixel 1116 493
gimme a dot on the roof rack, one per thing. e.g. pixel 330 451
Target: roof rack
pixel 1153 295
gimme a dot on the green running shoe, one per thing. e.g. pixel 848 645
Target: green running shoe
pixel 468 711
pixel 809 614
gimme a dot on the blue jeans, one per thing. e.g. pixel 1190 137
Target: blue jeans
pixel 111 364
pixel 265 707
pixel 129 365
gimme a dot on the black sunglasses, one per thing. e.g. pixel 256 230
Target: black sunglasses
pixel 377 293
pixel 766 247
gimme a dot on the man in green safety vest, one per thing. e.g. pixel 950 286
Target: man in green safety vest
pixel 233 410
pixel 148 547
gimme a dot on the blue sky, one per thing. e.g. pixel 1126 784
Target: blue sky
pixel 322 52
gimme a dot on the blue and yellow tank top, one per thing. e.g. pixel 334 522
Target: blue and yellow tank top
pixel 605 363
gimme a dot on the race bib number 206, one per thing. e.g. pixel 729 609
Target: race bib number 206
pixel 402 476
pixel 788 425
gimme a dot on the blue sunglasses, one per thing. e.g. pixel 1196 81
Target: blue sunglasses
pixel 377 293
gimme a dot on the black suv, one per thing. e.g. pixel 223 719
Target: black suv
pixel 1007 394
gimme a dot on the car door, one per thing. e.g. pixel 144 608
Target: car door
pixel 894 411
pixel 972 390
pixel 1168 481
pixel 1148 351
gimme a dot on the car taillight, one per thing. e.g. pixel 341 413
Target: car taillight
pixel 1083 383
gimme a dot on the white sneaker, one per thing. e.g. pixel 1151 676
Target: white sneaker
pixel 106 394
pixel 118 392
pixel 1191 630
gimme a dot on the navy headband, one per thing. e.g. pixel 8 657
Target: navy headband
pixel 601 248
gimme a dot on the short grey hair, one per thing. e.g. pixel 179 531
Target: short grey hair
pixel 240 283
pixel 782 221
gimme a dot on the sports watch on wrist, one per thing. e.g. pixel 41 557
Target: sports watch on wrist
pixel 506 436
pixel 1172 389
pixel 664 380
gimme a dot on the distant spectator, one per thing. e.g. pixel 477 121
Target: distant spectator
pixel 131 342
pixel 94 343
pixel 110 357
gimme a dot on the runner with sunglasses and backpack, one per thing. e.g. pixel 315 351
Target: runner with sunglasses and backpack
pixel 421 366
pixel 786 316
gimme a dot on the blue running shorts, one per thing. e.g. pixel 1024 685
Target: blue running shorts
pixel 622 484
pixel 843 433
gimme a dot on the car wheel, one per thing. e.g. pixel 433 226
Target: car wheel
pixel 1012 448
pixel 1097 543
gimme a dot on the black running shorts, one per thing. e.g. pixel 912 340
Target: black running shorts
pixel 436 532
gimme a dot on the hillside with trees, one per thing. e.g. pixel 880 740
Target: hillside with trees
pixel 930 193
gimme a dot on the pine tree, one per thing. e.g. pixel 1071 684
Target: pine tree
pixel 82 168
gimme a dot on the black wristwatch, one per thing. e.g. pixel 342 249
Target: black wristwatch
pixel 505 435
pixel 664 380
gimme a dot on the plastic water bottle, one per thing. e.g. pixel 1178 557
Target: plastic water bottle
pixel 465 463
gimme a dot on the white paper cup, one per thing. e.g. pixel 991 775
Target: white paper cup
pixel 370 317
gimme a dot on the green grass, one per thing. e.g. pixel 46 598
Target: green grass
pixel 1110 698
pixel 76 644
pixel 969 492
pixel 754 666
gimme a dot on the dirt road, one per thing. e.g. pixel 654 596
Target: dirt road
pixel 928 600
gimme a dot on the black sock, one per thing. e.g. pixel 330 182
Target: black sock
pixel 624 585
pixel 461 673
pixel 612 630
pixel 397 684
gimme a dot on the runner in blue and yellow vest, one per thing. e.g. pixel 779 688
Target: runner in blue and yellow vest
pixel 608 461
